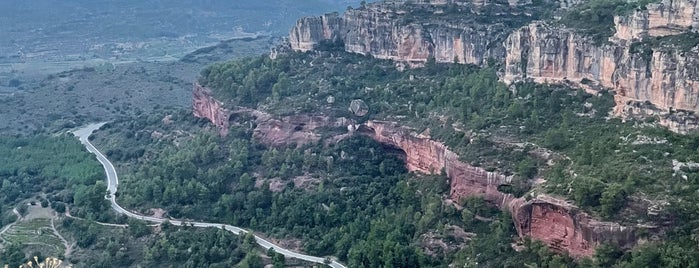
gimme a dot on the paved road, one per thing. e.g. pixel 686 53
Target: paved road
pixel 113 183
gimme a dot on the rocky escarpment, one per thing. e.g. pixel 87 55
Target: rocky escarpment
pixel 560 225
pixel 296 129
pixel 446 31
pixel 205 106
pixel 392 31
pixel 565 228
pixel 557 223
pixel 666 77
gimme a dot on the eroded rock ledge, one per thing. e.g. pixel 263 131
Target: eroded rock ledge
pixel 205 106
pixel 384 31
pixel 667 79
pixel 559 224
pixel 562 226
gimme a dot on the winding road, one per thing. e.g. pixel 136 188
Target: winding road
pixel 113 182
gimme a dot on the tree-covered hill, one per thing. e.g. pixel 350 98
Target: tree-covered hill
pixel 606 166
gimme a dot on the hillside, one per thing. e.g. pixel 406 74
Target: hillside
pixel 426 133
pixel 644 51
pixel 579 156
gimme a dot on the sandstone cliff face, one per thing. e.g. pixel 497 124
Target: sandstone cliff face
pixel 558 224
pixel 563 227
pixel 633 27
pixel 431 157
pixel 314 30
pixel 296 129
pixel 388 31
pixel 668 17
pixel 668 78
pixel 672 17
pixel 205 106
pixel 555 222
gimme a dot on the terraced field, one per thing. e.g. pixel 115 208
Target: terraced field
pixel 36 233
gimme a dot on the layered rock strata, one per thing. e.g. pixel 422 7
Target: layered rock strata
pixel 205 106
pixel 666 78
pixel 562 226
pixel 389 31
pixel 667 17
pixel 295 129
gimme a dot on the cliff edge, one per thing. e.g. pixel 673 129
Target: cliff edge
pixel 650 73
pixel 557 223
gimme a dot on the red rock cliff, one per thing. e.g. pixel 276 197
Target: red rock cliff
pixel 205 106
pixel 560 225
pixel 295 129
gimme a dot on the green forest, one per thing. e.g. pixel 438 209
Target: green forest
pixel 55 171
pixel 443 97
pixel 355 199
pixel 363 206
pixel 57 167
pixel 350 197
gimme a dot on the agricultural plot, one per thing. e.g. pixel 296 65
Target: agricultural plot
pixel 37 234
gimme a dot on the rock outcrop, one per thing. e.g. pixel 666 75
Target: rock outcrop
pixel 295 129
pixel 390 31
pixel 668 17
pixel 672 17
pixel 205 106
pixel 560 225
pixel 565 228
pixel 667 78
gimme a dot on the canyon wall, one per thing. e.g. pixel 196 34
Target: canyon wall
pixel 389 31
pixel 560 225
pixel 294 129
pixel 667 77
pixel 205 106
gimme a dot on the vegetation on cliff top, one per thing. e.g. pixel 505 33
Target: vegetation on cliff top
pixel 601 163
pixel 596 18
pixel 353 199
pixel 470 98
